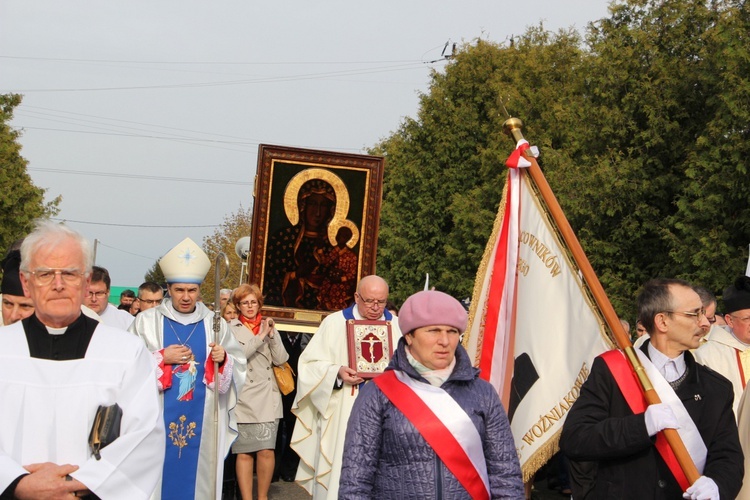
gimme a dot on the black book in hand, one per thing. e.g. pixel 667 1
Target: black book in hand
pixel 106 428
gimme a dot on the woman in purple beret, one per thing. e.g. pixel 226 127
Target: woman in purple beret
pixel 429 427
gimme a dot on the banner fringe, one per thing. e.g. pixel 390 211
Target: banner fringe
pixel 480 278
pixel 541 457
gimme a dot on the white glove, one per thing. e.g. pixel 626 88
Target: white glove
pixel 703 488
pixel 660 417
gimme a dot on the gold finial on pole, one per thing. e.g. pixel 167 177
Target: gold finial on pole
pixel 512 127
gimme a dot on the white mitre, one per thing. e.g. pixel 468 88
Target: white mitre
pixel 185 263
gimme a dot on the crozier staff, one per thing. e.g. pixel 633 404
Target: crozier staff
pixel 409 427
pixel 179 334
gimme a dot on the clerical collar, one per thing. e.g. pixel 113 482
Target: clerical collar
pixel 56 331
pixel 59 344
pixel 661 361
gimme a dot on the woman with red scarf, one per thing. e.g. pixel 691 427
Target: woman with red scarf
pixel 259 406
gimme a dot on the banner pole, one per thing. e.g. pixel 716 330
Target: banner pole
pixel 512 127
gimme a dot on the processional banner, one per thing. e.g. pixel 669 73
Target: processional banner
pixel 535 329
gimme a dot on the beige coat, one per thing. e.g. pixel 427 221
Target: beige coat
pixel 260 399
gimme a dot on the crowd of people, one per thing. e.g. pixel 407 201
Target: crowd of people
pixel 192 399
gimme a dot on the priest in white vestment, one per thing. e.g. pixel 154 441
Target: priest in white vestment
pixel 327 388
pixel 57 367
pixel 179 333
pixel 728 351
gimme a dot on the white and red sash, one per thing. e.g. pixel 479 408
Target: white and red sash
pixel 630 387
pixel 444 425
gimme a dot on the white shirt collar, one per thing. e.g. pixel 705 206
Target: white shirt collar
pixel 660 360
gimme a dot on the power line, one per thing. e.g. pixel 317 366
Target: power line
pixel 149 177
pixel 311 76
pixel 194 142
pixel 214 63
pixel 211 143
pixel 124 251
pixel 130 225
pixel 28 107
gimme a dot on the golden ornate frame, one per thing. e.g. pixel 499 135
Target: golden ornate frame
pixel 357 181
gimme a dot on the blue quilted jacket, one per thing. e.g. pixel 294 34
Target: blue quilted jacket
pixel 385 457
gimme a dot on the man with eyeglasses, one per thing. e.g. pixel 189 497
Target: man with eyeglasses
pixel 611 425
pixel 57 367
pixel 179 332
pixel 327 388
pixel 727 351
pixel 97 299
pixel 150 295
pixel 708 300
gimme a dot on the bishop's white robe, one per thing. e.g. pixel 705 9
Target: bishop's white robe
pixel 720 354
pixel 149 325
pixel 322 411
pixel 47 408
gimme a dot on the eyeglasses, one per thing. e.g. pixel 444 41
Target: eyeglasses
pixel 711 319
pixel 151 302
pixel 44 277
pixel 697 314
pixel 249 303
pixel 372 302
pixel 98 295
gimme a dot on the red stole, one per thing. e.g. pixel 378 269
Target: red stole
pixel 628 383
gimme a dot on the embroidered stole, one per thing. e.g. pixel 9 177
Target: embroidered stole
pixel 630 388
pixel 349 313
pixel 444 425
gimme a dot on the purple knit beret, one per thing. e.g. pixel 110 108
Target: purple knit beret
pixel 431 308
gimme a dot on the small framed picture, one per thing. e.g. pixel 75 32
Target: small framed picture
pixel 315 230
pixel 370 347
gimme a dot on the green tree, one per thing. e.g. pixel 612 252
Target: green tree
pixel 658 188
pixel 642 127
pixel 235 226
pixel 155 274
pixel 445 169
pixel 21 202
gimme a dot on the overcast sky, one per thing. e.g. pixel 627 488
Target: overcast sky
pixel 146 115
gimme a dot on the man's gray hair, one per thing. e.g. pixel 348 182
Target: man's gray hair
pixel 225 291
pixel 707 298
pixel 51 234
pixel 655 298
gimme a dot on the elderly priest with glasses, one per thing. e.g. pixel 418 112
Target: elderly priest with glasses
pixel 179 333
pixel 611 424
pixel 58 367
pixel 728 350
pixel 327 388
